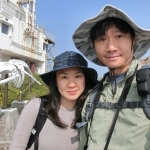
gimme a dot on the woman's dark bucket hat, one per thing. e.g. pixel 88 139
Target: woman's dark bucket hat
pixel 71 59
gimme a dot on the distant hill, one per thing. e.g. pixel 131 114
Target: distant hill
pixel 145 60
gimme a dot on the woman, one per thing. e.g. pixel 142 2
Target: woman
pixel 68 83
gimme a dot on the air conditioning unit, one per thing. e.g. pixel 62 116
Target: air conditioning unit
pixel 27 30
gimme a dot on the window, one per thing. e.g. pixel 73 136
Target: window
pixel 45 47
pixel 4 28
pixel 31 7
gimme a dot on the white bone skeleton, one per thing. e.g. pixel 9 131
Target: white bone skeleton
pixel 16 70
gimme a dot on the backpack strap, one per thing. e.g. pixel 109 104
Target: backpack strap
pixel 36 143
pixel 91 103
pixel 143 87
pixel 120 102
pixel 94 103
pixel 40 121
pixel 133 104
pixel 93 100
pixel 88 108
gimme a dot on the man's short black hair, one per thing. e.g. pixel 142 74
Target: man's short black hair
pixel 101 27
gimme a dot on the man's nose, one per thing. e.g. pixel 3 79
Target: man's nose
pixel 111 45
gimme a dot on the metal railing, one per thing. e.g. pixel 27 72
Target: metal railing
pixel 47 33
pixel 12 9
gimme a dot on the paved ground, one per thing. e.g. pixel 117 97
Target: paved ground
pixel 4 146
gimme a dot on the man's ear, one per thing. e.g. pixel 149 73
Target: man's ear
pixel 134 41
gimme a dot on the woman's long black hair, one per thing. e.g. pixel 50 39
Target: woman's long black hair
pixel 53 103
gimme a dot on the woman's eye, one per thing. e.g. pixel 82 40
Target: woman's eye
pixel 78 76
pixel 64 77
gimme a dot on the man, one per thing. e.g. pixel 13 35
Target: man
pixel 112 39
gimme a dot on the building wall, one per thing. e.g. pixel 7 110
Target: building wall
pixel 0 57
pixel 19 43
pixel 6 58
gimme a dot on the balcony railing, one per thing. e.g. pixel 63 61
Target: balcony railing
pixel 12 9
pixel 47 33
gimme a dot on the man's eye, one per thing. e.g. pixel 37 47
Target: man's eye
pixel 103 39
pixel 100 39
pixel 119 36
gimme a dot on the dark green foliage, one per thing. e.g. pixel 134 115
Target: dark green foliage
pixel 28 92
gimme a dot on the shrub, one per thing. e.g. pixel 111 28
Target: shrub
pixel 28 92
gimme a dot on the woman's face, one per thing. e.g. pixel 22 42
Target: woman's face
pixel 71 84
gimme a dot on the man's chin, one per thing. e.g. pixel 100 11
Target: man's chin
pixel 111 66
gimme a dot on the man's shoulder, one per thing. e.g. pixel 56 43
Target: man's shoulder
pixel 95 88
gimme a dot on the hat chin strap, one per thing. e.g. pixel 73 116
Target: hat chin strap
pixel 113 83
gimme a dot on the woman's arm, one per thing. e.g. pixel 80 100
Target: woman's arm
pixel 24 125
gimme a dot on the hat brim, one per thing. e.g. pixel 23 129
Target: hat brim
pixel 83 43
pixel 89 72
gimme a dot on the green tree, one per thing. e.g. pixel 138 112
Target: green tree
pixel 26 92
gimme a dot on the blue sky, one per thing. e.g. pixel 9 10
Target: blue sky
pixel 62 17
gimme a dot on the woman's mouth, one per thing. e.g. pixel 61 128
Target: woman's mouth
pixel 72 92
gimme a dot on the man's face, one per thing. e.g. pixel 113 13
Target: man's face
pixel 114 49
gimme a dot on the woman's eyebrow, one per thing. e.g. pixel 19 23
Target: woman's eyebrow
pixel 67 72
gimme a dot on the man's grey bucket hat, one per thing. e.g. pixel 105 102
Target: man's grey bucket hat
pixel 71 59
pixel 83 43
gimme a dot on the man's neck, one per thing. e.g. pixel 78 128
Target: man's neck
pixel 118 71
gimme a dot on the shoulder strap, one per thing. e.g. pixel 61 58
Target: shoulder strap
pixel 143 87
pixel 88 108
pixel 91 103
pixel 120 104
pixel 40 121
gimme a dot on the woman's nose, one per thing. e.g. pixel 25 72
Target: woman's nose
pixel 71 83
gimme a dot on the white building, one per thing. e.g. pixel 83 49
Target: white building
pixel 21 38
